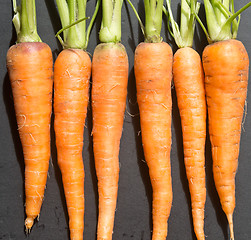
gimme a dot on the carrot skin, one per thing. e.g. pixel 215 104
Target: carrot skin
pixel 30 72
pixel 226 66
pixel 153 72
pixel 109 90
pixel 72 73
pixel 188 78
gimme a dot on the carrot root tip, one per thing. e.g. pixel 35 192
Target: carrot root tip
pixel 231 226
pixel 28 224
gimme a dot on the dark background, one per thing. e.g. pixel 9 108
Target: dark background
pixel 133 215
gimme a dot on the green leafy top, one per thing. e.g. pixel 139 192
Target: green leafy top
pixel 111 21
pixel 153 20
pixel 221 19
pixel 73 15
pixel 25 21
pixel 183 36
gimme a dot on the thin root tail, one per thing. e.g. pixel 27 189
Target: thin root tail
pixel 231 226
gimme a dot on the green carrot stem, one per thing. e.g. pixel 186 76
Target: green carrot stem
pixel 221 19
pixel 226 28
pixel 183 36
pixel 187 21
pixel 224 9
pixel 91 23
pixel 203 28
pixel 70 25
pixel 64 15
pixel 236 23
pixel 211 19
pixel 111 21
pixel 16 18
pixel 138 17
pixel 73 15
pixel 153 20
pixel 175 28
pixel 24 21
pixel 76 34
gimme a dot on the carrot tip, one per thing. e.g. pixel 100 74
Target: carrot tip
pixel 28 224
pixel 231 226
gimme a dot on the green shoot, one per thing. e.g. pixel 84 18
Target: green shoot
pixel 138 17
pixel 25 22
pixel 183 35
pixel 111 22
pixel 67 27
pixel 153 20
pixel 73 15
pixel 222 19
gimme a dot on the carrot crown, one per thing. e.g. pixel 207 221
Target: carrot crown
pixel 221 19
pixel 111 21
pixel 73 15
pixel 25 21
pixel 183 36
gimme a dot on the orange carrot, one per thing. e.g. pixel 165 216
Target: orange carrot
pixel 109 90
pixel 226 66
pixel 189 86
pixel 188 79
pixel 72 73
pixel 153 62
pixel 29 66
pixel 153 68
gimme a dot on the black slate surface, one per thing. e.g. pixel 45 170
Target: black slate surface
pixel 133 215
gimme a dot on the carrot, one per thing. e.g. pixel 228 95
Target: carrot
pixel 153 66
pixel 153 72
pixel 29 64
pixel 71 76
pixel 109 90
pixel 72 73
pixel 188 79
pixel 189 87
pixel 226 65
pixel 226 89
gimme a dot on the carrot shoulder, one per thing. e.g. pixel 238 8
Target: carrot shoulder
pixel 29 64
